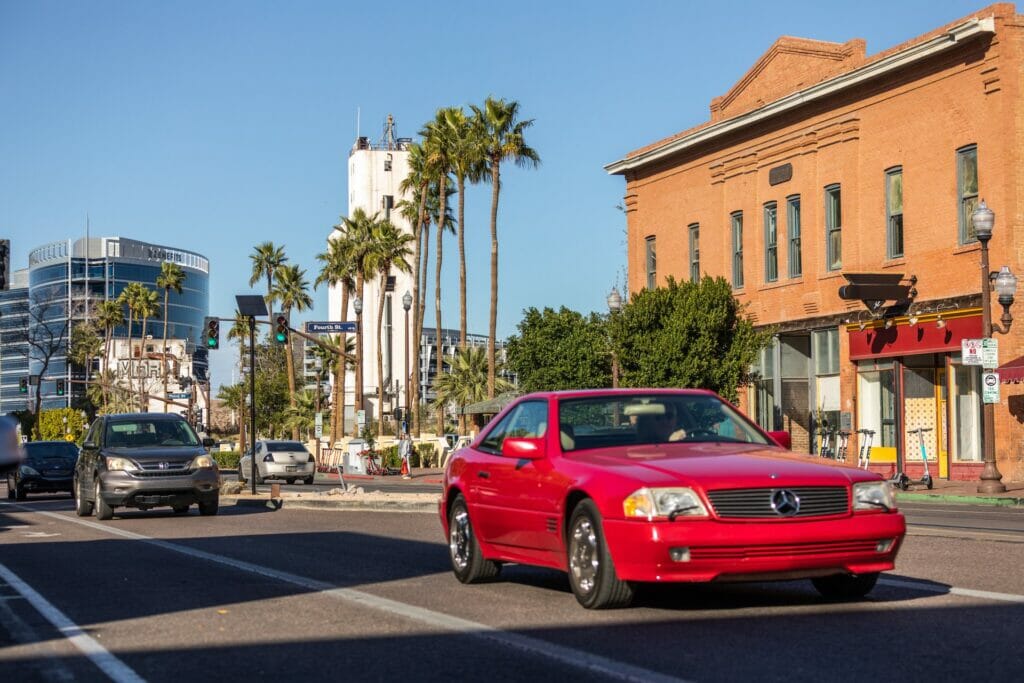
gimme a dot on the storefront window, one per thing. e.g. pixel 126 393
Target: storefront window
pixel 876 392
pixel 966 413
pixel 764 388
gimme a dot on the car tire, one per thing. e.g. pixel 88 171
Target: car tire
pixel 83 507
pixel 845 586
pixel 591 570
pixel 10 489
pixel 210 509
pixel 468 561
pixel 103 511
pixel 259 478
pixel 19 493
pixel 180 509
pixel 308 481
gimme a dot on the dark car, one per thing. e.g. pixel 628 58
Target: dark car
pixel 48 467
pixel 11 452
pixel 145 460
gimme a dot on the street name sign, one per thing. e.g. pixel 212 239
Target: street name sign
pixel 330 327
pixel 177 396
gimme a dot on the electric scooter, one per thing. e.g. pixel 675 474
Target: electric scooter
pixel 926 479
pixel 864 457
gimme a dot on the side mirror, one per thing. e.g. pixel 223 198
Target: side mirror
pixel 89 446
pixel 782 438
pixel 208 442
pixel 523 448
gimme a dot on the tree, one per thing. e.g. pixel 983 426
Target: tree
pixel 390 250
pixel 129 297
pixel 85 345
pixel 291 290
pixel 416 184
pixel 687 334
pixel 240 332
pixel 109 315
pixel 503 139
pixel 171 277
pixel 146 307
pixel 467 381
pixel 560 350
pixel 60 423
pixel 338 268
pixel 235 397
pixel 301 416
pixel 266 259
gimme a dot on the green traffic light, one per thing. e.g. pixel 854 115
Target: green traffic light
pixel 281 337
pixel 211 342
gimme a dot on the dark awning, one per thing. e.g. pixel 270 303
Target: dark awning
pixel 1012 371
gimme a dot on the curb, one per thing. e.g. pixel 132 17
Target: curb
pixel 375 505
pixel 961 500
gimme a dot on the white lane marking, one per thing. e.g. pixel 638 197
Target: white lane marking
pixel 594 664
pixel 952 590
pixel 113 667
pixel 52 667
pixel 38 534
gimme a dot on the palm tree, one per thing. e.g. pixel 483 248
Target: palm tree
pixel 129 297
pixel 390 250
pixel 467 163
pixel 416 184
pixel 109 315
pixel 234 397
pixel 240 331
pixel 338 268
pixel 300 415
pixel 467 381
pixel 503 136
pixel 291 291
pixel 171 277
pixel 146 306
pixel 266 259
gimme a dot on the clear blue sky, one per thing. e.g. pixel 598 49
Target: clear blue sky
pixel 214 126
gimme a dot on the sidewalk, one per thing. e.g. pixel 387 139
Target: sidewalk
pixel 419 475
pixel 964 492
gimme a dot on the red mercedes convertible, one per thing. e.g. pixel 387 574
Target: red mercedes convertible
pixel 619 487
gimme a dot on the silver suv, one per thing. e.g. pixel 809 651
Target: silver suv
pixel 143 461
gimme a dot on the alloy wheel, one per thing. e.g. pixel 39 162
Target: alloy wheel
pixel 583 555
pixel 459 537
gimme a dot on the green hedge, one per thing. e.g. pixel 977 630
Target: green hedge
pixel 227 460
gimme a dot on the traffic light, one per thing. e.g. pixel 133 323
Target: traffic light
pixel 60 387
pixel 281 332
pixel 23 385
pixel 211 331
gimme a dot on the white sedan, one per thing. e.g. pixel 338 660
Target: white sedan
pixel 288 460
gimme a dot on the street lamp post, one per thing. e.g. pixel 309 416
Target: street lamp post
pixel 614 306
pixel 1005 282
pixel 407 304
pixel 357 306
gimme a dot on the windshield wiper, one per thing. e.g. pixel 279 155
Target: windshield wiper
pixel 678 511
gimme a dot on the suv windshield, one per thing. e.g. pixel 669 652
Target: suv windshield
pixel 284 446
pixel 39 452
pixel 609 421
pixel 143 433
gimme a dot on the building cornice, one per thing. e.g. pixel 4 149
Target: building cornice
pixel 886 65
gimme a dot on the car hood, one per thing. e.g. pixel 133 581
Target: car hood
pixel 723 465
pixel 169 453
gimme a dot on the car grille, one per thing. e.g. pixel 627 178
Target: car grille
pixel 171 468
pixel 162 473
pixel 815 501
pixel 785 550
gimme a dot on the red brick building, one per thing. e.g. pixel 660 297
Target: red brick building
pixel 823 164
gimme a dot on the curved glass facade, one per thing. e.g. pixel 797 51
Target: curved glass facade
pixel 67 282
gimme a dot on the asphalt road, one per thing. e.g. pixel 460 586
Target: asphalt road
pixel 345 595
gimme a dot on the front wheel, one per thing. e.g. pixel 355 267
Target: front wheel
pixel 845 586
pixel 103 511
pixel 83 507
pixel 591 570
pixel 209 509
pixel 308 481
pixel 10 489
pixel 468 561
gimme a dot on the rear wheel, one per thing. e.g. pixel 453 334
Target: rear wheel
pixel 468 562
pixel 83 507
pixel 103 511
pixel 209 509
pixel 845 586
pixel 308 481
pixel 259 478
pixel 591 571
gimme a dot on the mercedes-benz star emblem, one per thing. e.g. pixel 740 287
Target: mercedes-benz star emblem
pixel 785 503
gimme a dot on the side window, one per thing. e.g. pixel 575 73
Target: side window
pixel 652 263
pixel 94 432
pixel 528 419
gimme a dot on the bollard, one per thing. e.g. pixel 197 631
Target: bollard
pixel 275 490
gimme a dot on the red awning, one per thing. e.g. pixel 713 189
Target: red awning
pixel 1012 371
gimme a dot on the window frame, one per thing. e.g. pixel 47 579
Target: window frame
pixel 794 264
pixel 736 225
pixel 651 261
pixel 770 216
pixel 892 240
pixel 833 226
pixel 965 229
pixel 693 232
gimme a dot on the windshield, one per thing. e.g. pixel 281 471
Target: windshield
pixel 284 446
pixel 609 421
pixel 145 433
pixel 51 453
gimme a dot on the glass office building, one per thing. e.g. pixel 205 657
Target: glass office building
pixel 67 280
pixel 13 344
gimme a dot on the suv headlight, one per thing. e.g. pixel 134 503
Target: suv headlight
pixel 873 495
pixel 664 502
pixel 123 464
pixel 202 462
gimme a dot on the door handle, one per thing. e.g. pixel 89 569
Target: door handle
pixel 483 475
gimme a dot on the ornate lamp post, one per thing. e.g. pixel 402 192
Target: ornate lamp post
pixel 407 304
pixel 614 306
pixel 357 306
pixel 983 219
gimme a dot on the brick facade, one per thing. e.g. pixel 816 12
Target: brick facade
pixel 838 117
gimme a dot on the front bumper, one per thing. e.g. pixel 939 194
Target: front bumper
pixel 122 489
pixel 712 550
pixel 43 484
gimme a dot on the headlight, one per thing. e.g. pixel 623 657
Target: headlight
pixel 29 471
pixel 873 495
pixel 123 464
pixel 664 502
pixel 203 462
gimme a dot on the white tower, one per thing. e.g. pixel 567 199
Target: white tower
pixel 375 172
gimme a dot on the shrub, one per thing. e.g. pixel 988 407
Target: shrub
pixel 227 460
pixel 425 454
